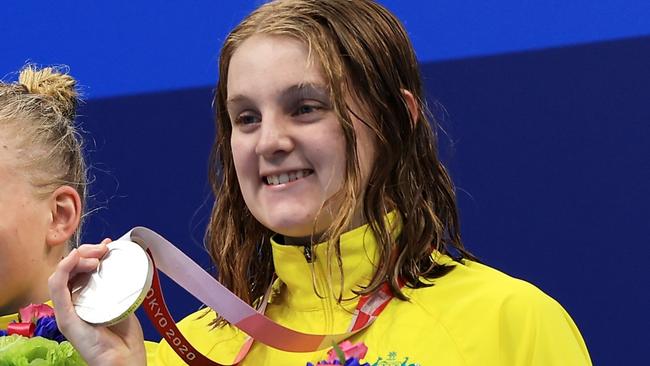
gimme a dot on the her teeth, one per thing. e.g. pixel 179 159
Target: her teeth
pixel 286 177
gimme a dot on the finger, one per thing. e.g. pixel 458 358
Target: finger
pixel 85 265
pixel 59 292
pixel 106 241
pixel 92 250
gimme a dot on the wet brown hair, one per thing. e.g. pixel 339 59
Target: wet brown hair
pixel 361 47
pixel 39 111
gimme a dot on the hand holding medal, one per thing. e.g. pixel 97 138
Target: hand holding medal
pixel 121 343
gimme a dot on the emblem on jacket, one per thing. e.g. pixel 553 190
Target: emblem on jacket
pixel 392 359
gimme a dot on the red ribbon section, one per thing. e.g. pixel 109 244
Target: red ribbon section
pixel 157 311
pixel 23 329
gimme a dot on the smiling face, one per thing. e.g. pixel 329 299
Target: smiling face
pixel 287 143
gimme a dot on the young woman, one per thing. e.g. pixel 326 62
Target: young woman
pixel 42 184
pixel 326 175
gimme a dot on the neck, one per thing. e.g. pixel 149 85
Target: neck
pixel 35 295
pixel 315 238
pixel 31 287
pixel 299 241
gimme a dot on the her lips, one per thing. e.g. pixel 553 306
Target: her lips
pixel 283 178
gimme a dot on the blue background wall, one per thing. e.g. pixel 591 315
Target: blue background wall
pixel 546 107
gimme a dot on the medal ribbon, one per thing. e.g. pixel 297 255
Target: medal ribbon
pixel 185 272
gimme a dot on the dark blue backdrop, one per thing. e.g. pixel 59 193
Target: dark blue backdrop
pixel 548 146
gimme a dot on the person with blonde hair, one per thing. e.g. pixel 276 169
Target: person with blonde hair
pixel 329 190
pixel 42 184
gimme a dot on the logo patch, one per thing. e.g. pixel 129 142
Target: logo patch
pixel 392 359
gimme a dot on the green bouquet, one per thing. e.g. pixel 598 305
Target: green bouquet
pixel 16 350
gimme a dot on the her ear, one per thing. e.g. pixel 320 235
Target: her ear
pixel 412 104
pixel 66 213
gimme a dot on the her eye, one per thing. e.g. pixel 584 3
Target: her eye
pixel 307 108
pixel 247 118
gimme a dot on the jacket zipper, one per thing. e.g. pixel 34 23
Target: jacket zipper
pixel 309 255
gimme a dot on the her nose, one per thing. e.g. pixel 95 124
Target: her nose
pixel 274 137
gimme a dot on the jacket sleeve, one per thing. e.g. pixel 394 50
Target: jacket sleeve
pixel 536 330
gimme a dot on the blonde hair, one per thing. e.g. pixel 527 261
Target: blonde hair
pixel 40 111
pixel 365 51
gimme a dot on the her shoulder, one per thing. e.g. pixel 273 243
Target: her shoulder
pixel 471 285
pixel 478 305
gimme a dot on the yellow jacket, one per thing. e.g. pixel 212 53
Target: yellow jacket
pixel 474 315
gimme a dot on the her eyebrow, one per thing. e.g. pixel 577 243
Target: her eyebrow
pixel 292 93
pixel 237 99
pixel 306 91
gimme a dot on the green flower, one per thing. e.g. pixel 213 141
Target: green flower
pixel 17 350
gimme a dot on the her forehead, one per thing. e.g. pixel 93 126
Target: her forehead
pixel 272 60
pixel 276 43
